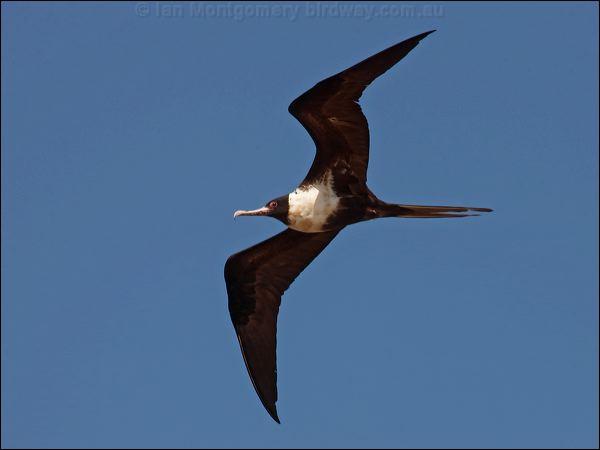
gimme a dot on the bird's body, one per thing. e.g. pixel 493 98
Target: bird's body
pixel 313 207
pixel 333 195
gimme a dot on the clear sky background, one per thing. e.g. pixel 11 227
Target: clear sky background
pixel 129 138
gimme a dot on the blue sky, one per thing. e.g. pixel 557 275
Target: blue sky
pixel 130 134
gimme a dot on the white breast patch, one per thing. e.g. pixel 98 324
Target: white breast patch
pixel 310 207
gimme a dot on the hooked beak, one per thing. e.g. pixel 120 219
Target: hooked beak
pixel 255 212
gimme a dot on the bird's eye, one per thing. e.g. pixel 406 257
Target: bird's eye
pixel 273 205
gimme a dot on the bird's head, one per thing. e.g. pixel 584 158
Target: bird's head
pixel 277 208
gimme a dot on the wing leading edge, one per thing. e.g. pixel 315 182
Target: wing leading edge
pixel 256 278
pixel 332 116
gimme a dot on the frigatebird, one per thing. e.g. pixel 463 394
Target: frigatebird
pixel 334 194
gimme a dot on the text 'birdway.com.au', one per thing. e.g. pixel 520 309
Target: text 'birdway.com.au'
pixel 288 11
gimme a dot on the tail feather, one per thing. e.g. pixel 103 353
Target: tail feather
pixel 446 208
pixel 429 212
pixel 437 216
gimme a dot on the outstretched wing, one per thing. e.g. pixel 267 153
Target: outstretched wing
pixel 332 116
pixel 256 278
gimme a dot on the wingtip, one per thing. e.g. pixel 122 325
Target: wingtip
pixel 427 33
pixel 273 413
pixel 419 37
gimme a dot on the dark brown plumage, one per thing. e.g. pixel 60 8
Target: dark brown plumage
pixel 333 194
pixel 256 279
pixel 332 116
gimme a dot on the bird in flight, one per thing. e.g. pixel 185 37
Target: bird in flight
pixel 334 194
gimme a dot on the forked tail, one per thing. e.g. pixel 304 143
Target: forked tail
pixel 429 212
